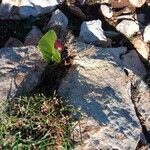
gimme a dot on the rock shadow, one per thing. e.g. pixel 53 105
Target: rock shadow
pixel 96 101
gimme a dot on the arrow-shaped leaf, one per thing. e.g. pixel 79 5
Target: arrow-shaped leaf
pixel 46 46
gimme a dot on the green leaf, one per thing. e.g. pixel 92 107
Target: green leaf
pixel 46 46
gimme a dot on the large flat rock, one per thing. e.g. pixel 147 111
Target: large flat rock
pixel 99 86
pixel 20 70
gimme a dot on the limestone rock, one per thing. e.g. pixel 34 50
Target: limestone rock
pixel 146 34
pixel 36 7
pixel 20 70
pixel 13 42
pixel 17 9
pixel 98 86
pixel 58 19
pixel 106 11
pixel 128 27
pixel 129 61
pixel 6 8
pixel 92 32
pixel 137 3
pixel 33 37
pixel 141 47
pixel 58 22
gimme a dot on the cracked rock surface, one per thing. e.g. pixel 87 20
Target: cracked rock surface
pixel 20 70
pixel 98 85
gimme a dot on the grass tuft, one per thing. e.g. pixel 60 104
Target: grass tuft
pixel 36 123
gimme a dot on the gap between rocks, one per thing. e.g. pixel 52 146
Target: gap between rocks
pixel 134 91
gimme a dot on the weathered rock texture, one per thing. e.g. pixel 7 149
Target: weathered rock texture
pixel 141 47
pixel 58 19
pixel 20 70
pixel 146 34
pixel 137 3
pixel 59 23
pixel 98 85
pixel 6 7
pixel 128 27
pixel 13 42
pixel 33 37
pixel 92 32
pixel 141 98
pixel 34 8
pixel 17 9
pixel 106 11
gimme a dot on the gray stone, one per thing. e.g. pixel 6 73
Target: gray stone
pixel 33 37
pixel 20 70
pixel 6 7
pixel 13 42
pixel 98 85
pixel 146 34
pixel 141 47
pixel 58 19
pixel 17 9
pixel 106 11
pixel 128 27
pixel 92 32
pixel 58 22
pixel 36 7
pixel 137 3
pixel 133 64
pixel 129 61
